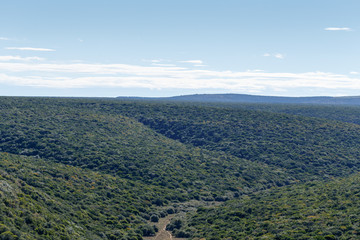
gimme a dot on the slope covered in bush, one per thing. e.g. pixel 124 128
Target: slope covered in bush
pixel 81 133
pixel 102 168
pixel 307 148
pixel 44 200
pixel 350 114
pixel 317 210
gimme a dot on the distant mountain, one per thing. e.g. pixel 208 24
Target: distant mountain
pixel 244 98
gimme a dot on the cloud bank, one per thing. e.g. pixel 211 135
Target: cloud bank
pixel 337 29
pixel 30 49
pixel 193 61
pixel 82 75
pixel 19 58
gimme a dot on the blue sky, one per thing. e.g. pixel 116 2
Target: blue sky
pixel 165 48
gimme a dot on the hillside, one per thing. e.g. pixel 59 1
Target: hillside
pixel 350 114
pixel 74 132
pixel 110 136
pixel 119 164
pixel 45 200
pixel 314 210
pixel 307 148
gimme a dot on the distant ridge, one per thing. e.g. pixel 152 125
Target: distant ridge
pixel 245 98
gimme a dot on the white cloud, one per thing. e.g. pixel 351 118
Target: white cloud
pixel 80 75
pixel 18 58
pixel 107 69
pixel 163 64
pixel 279 55
pixel 337 29
pixel 275 55
pixel 193 61
pixel 354 73
pixel 4 38
pixel 155 60
pixel 30 49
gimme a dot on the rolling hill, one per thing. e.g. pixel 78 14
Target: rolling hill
pixel 75 168
pixel 315 210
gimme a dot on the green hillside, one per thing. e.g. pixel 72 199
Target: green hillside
pixel 350 114
pixel 45 200
pixel 306 147
pixel 317 210
pixel 62 131
pixel 103 168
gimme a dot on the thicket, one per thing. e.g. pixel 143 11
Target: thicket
pixel 344 113
pixel 109 169
pixel 101 136
pixel 316 210
pixel 45 200
pixel 308 148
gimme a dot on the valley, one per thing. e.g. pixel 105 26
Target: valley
pixel 97 168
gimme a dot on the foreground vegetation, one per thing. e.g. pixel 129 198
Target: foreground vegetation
pixel 109 169
pixel 45 200
pixel 316 210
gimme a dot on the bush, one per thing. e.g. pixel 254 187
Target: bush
pixel 154 218
pixel 147 230
pixel 8 236
pixel 170 210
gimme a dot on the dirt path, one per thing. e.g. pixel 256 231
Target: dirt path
pixel 162 234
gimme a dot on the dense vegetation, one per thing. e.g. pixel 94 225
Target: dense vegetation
pixel 74 133
pixel 305 147
pixel 105 168
pixel 316 210
pixel 44 200
pixel 350 114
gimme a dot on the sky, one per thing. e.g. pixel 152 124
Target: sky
pixel 160 48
